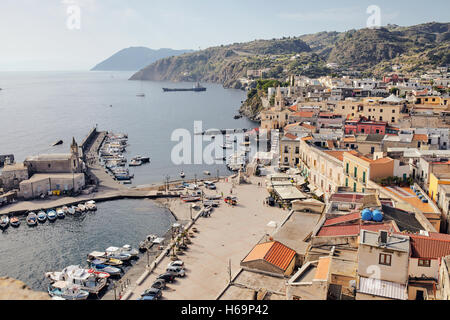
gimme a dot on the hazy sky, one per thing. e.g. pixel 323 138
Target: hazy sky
pixel 34 33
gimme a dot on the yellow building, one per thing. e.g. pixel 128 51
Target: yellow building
pixel 374 111
pixel 433 100
pixel 437 179
pixel 358 170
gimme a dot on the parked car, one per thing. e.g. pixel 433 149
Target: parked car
pixel 177 271
pixel 152 292
pixel 159 284
pixel 210 185
pixel 167 277
pixel 177 263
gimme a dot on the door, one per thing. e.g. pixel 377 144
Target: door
pixel 419 295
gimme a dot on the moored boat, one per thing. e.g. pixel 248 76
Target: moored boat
pixel 101 256
pixel 65 210
pixel 15 222
pixel 82 207
pixel 42 216
pixel 32 219
pixel 51 215
pixel 4 222
pixel 71 210
pixel 85 279
pixel 66 291
pixel 98 266
pixel 90 205
pixel 182 175
pixel 116 253
pixel 60 213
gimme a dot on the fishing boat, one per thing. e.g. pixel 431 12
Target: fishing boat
pixel 116 253
pixel 51 215
pixel 85 279
pixel 90 205
pixel 191 199
pixel 32 219
pixel 142 159
pixel 135 163
pixel 65 209
pixel 60 213
pixel 66 291
pixel 71 210
pixel 129 250
pixel 98 266
pixel 42 216
pixel 101 256
pixel 182 175
pixel 141 95
pixel 206 173
pixel 82 207
pixel 4 222
pixel 15 222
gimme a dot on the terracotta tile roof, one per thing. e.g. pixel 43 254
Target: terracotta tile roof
pixel 308 126
pixel 343 219
pixel 304 114
pixel 351 230
pixel 294 108
pixel 435 246
pixel 336 154
pixel 273 252
pixel 420 137
pixel 307 138
pixel 291 136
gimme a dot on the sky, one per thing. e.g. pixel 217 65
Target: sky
pixel 38 35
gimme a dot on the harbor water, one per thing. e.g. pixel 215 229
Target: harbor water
pixel 41 108
pixel 28 252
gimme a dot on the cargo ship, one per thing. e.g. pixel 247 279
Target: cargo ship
pixel 196 88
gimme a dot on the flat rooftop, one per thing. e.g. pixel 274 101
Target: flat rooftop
pixel 394 242
pixel 410 197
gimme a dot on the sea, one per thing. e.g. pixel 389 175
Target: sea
pixel 39 108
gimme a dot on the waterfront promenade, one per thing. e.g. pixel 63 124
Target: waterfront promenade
pixel 229 234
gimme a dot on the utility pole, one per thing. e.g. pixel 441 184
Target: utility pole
pixel 229 269
pixel 190 209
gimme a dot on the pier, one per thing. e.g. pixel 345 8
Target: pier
pixel 106 187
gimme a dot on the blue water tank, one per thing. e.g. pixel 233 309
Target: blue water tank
pixel 366 215
pixel 377 216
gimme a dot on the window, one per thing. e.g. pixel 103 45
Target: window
pixel 385 259
pixel 424 263
pixel 393 119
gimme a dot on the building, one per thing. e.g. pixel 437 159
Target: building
pixel 43 183
pixel 358 170
pixel 11 176
pixel 289 150
pixel 383 262
pixel 271 257
pixel 437 179
pixel 56 163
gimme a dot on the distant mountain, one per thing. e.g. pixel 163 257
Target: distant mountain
pixel 135 58
pixel 372 51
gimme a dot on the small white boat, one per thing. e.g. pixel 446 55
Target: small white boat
pixel 82 207
pixel 71 210
pixel 42 216
pixel 116 253
pixel 51 215
pixel 65 209
pixel 206 173
pixel 66 291
pixel 90 205
pixel 60 213
pixel 135 163
pixel 32 219
pixel 129 250
pixel 85 279
pixel 4 222
pixel 182 175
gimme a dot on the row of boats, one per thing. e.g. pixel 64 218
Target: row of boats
pixel 51 215
pixel 77 283
pixel 112 155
